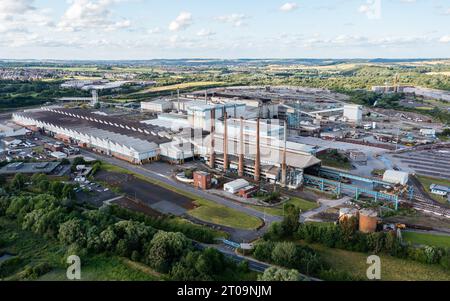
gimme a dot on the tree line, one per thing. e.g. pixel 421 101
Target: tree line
pixel 57 217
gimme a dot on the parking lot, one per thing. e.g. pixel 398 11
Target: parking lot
pixel 153 196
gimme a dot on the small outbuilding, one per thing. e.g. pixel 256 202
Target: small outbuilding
pixel 396 177
pixel 236 185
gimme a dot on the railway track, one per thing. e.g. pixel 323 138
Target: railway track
pixel 424 205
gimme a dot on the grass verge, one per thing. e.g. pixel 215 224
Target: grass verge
pixel 427 239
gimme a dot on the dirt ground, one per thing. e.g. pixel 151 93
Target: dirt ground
pixel 150 195
pixel 136 205
pixel 423 220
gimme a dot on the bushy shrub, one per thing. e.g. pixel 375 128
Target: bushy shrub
pixel 263 250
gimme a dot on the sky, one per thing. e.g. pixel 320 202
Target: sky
pixel 225 29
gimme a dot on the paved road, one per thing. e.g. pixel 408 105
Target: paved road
pixel 253 264
pixel 165 178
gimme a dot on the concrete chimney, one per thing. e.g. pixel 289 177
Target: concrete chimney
pixel 225 142
pixel 178 100
pixel 212 157
pixel 241 149
pixel 283 165
pixel 258 154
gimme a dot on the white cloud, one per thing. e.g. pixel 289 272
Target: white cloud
pixel 22 16
pixel 236 20
pixel 12 7
pixel 290 6
pixel 445 39
pixel 183 21
pixel 154 30
pixel 90 14
pixel 205 33
pixel 372 9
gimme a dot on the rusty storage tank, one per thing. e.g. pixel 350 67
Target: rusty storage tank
pixel 368 220
pixel 347 213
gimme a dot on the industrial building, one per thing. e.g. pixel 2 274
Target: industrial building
pixel 353 113
pixel 417 91
pixel 130 141
pixel 12 130
pixel 29 168
pixel 258 150
pixel 156 106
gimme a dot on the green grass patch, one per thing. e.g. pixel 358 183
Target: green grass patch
pixel 207 211
pixel 427 239
pixel 107 268
pixel 427 181
pixel 179 86
pixel 392 269
pixel 222 215
pixel 302 204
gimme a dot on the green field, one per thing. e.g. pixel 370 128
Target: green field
pixel 302 204
pixel 222 215
pixel 179 86
pixel 207 211
pixel 427 181
pixel 33 249
pixel 392 269
pixel 427 239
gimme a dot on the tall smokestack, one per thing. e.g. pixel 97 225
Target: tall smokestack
pixel 241 149
pixel 283 165
pixel 258 154
pixel 212 157
pixel 178 100
pixel 225 142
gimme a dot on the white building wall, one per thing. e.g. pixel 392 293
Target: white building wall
pixel 97 142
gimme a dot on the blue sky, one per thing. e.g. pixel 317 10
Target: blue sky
pixel 148 29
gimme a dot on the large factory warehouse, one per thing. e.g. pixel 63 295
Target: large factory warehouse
pixel 125 140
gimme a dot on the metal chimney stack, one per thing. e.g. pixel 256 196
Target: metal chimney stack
pixel 212 157
pixel 283 165
pixel 225 142
pixel 258 154
pixel 241 149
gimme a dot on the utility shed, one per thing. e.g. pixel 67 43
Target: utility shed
pixel 396 177
pixel 234 186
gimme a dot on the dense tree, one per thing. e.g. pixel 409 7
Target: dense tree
pixel 278 274
pixel 19 181
pixel 56 188
pixel 72 231
pixel 165 249
pixel 68 192
pixel 285 254
pixel 291 218
pixel 263 250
